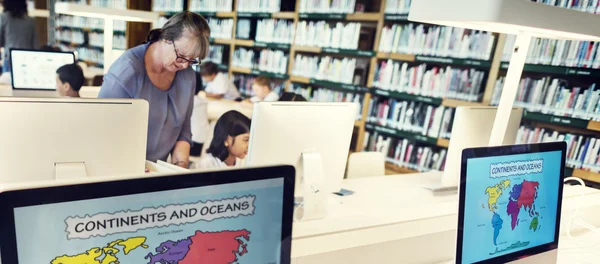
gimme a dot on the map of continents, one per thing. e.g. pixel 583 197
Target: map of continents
pixel 202 248
pixel 521 196
pixel 104 255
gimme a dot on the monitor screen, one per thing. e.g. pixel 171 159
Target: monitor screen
pixel 511 204
pixel 37 69
pixel 212 224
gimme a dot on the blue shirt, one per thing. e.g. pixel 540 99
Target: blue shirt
pixel 170 111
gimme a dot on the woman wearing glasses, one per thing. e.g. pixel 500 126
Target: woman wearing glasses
pixel 158 71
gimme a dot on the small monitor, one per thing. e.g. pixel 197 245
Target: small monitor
pixel 510 203
pixel 472 127
pixel 47 139
pixel 35 69
pixel 282 131
pixel 234 216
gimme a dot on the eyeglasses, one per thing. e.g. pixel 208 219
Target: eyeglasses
pixel 181 59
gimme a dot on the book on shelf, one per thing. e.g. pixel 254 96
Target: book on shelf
pixel 258 6
pixel 275 31
pixel 243 29
pixel 215 54
pixel 407 154
pixel 220 28
pixel 414 117
pixel 554 96
pixel 397 6
pixel 438 41
pixel 582 150
pixel 439 82
pixel 326 95
pixel 323 34
pixel 167 5
pixel 341 70
pixel 327 6
pixel 244 84
pixel 590 6
pixel 211 5
pixel 555 52
pixel 268 60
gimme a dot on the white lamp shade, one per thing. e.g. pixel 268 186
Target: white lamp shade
pixel 509 17
pixel 106 13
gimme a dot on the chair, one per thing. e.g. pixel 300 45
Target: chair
pixel 365 164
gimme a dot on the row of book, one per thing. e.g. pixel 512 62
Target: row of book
pixel 275 31
pixel 405 153
pixel 554 96
pixel 167 5
pixel 215 54
pixel 97 40
pixel 258 6
pixel 211 5
pixel 339 70
pixel 325 35
pixel 244 84
pixel 326 95
pixel 265 60
pixel 397 6
pixel 569 53
pixel 118 4
pixel 87 23
pixel 220 28
pixel 327 6
pixel 414 117
pixel 439 41
pixel 85 54
pixel 583 151
pixel 590 6
pixel 439 82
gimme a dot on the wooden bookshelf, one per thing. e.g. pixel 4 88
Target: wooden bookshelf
pixel 299 79
pixel 284 15
pixel 240 70
pixel 594 125
pixel 392 169
pixel 363 17
pixel 244 43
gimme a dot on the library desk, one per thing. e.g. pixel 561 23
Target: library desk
pixel 218 107
pixel 392 219
pixel 85 92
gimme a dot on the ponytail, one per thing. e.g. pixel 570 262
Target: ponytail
pixel 154 35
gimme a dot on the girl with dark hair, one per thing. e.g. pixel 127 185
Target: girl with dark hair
pixel 17 30
pixel 230 142
pixel 159 71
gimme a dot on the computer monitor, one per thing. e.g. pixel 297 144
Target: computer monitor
pixel 472 127
pixel 233 216
pixel 282 132
pixel 510 200
pixel 36 69
pixel 45 139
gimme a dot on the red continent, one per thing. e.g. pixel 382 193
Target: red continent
pixel 216 248
pixel 528 195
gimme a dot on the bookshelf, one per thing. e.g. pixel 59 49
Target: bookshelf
pixel 374 47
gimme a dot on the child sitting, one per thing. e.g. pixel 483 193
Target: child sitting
pixel 261 86
pixel 69 79
pixel 230 142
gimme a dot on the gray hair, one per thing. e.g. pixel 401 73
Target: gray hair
pixel 175 26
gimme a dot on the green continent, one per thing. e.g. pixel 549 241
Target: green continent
pixel 534 224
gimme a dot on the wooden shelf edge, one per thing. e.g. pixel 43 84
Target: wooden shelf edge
pixel 586 175
pixel 391 169
pixel 299 79
pixel 226 14
pixel 456 103
pixel 240 70
pixel 594 125
pixel 363 17
pixel 396 56
pixel 244 42
pixel 359 123
pixel 222 41
pixel 307 49
pixel 442 142
pixel 284 15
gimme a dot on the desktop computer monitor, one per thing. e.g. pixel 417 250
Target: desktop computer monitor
pixel 46 139
pixel 36 69
pixel 282 132
pixel 472 127
pixel 510 202
pixel 233 216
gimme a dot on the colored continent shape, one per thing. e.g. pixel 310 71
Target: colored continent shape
pixel 534 224
pixel 170 252
pixel 512 209
pixel 497 224
pixel 529 193
pixel 216 247
pixel 494 192
pixel 105 255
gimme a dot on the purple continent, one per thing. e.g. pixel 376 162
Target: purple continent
pixel 170 252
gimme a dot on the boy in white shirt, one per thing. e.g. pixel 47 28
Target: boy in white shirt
pixel 218 84
pixel 261 86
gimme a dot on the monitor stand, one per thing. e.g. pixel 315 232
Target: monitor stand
pixel 69 170
pixel 439 187
pixel 314 200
